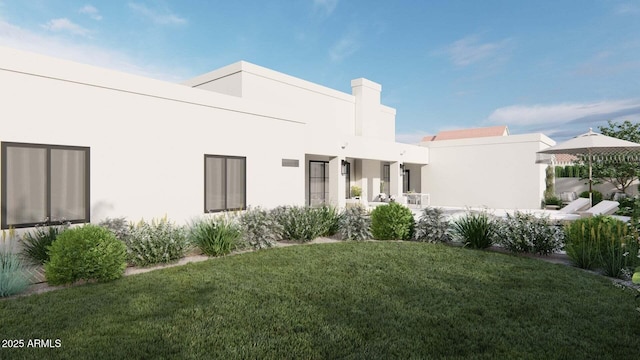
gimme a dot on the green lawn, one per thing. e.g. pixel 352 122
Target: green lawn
pixel 344 300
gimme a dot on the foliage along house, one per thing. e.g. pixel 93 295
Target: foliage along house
pixel 83 143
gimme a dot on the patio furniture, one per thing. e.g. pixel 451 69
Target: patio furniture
pixel 568 196
pixel 418 199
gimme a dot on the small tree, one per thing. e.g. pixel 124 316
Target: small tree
pixel 619 170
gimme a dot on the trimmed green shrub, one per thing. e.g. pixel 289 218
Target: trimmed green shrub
pixel 14 276
pixel 392 222
pixel 160 241
pixel 432 227
pixel 89 252
pixel 259 229
pixel 215 236
pixel 476 231
pixel 356 191
pixel 553 200
pixel 355 223
pixel 35 244
pixel 304 224
pixel 119 226
pixel 596 196
pixel 527 233
pixel 559 171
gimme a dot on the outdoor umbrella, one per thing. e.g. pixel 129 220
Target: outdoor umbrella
pixel 590 145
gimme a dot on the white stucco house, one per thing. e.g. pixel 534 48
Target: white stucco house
pixel 82 143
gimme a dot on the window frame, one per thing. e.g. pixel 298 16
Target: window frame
pixel 226 185
pixel 48 148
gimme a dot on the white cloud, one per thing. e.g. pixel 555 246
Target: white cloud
pixel 15 37
pixel 561 113
pixel 325 6
pixel 470 50
pixel 564 120
pixel 65 25
pixel 344 47
pixel 90 11
pixel 160 17
pixel 627 9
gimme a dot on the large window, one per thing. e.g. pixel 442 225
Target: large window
pixel 318 182
pixel 44 183
pixel 225 183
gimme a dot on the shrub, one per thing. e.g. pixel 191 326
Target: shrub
pixel 14 276
pixel 118 226
pixel 582 242
pixel 35 244
pixel 89 252
pixel 259 229
pixel 527 233
pixel 215 236
pixel 305 223
pixel 553 200
pixel 432 227
pixel 392 222
pixel 355 223
pixel 328 217
pixel 160 241
pixel 602 241
pixel 356 191
pixel 596 196
pixel 476 231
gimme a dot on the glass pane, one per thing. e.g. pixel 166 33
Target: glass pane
pixel 68 184
pixel 26 185
pixel 236 184
pixel 214 184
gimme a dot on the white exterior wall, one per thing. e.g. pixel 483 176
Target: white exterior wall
pixel 148 138
pixel 495 172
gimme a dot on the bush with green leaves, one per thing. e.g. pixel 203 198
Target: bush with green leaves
pixel 596 196
pixel 355 223
pixel 259 229
pixel 432 227
pixel 392 222
pixel 476 230
pixel 160 241
pixel 527 233
pixel 119 226
pixel 299 223
pixel 89 252
pixel 14 274
pixel 35 243
pixel 602 242
pixel 215 236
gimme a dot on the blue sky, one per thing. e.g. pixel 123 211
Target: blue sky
pixel 556 67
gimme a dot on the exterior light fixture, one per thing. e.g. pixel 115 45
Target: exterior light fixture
pixel 401 169
pixel 343 167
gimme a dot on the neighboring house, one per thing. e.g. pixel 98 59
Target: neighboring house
pixel 82 143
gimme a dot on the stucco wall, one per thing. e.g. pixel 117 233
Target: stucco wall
pixel 148 138
pixel 496 172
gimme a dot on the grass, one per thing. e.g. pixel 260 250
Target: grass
pixel 345 300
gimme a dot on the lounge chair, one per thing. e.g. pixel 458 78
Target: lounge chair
pixel 604 207
pixel 579 204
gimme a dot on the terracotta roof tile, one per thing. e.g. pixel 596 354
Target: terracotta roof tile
pixel 469 133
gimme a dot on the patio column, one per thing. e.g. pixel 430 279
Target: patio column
pixel 395 180
pixel 370 179
pixel 337 187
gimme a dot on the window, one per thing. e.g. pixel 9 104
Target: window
pixel 225 183
pixel 318 182
pixel 44 183
pixel 386 178
pixel 347 180
pixel 406 181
